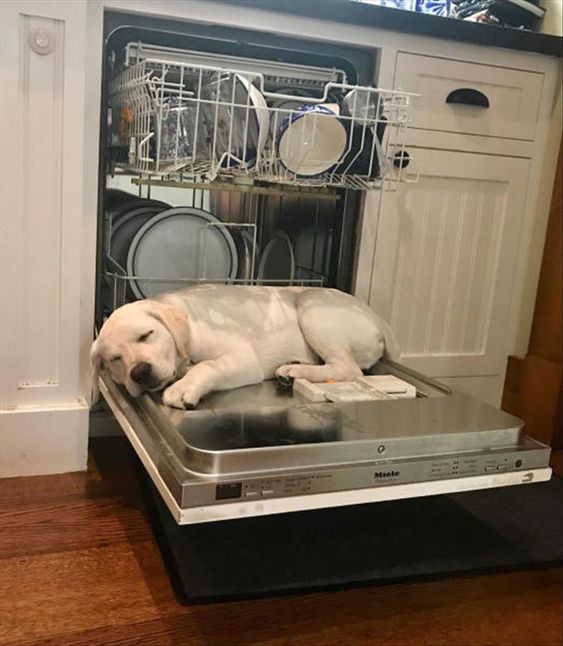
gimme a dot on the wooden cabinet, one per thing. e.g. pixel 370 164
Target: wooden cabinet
pixel 533 389
pixel 445 256
pixel 452 261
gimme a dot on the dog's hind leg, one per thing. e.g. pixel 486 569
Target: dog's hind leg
pixel 342 331
pixel 339 366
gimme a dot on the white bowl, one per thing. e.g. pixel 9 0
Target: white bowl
pixel 311 141
pixel 281 109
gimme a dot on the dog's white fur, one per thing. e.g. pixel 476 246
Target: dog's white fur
pixel 217 337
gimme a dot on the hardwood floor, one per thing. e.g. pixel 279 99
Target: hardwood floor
pixel 79 565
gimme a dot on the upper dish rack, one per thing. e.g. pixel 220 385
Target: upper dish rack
pixel 178 118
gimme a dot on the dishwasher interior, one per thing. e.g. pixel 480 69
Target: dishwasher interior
pixel 188 124
pixel 243 157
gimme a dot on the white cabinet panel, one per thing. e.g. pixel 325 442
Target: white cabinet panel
pixel 43 409
pixel 43 57
pixel 445 256
pixel 40 99
pixel 513 96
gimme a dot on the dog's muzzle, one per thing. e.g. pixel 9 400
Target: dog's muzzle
pixel 142 374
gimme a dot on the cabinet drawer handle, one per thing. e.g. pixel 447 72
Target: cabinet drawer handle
pixel 468 96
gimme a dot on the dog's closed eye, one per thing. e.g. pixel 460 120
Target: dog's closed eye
pixel 117 357
pixel 145 336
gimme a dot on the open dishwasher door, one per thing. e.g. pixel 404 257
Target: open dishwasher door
pixel 259 450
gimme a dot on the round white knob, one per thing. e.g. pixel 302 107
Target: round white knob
pixel 41 41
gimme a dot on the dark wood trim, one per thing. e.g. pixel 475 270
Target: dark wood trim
pixel 533 389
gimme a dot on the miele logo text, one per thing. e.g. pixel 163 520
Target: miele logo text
pixel 386 474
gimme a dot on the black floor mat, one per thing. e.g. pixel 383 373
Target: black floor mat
pixel 506 528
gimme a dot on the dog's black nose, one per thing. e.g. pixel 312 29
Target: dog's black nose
pixel 142 373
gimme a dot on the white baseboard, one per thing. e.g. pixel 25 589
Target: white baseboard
pixel 38 441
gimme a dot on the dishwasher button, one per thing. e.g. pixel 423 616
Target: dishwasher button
pixel 490 468
pixel 251 494
pixel 267 492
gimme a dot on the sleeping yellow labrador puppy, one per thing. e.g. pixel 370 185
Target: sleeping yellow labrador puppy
pixel 217 337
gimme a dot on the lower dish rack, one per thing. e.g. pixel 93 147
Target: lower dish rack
pixel 215 237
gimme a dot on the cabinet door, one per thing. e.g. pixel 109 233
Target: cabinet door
pixel 47 222
pixel 43 104
pixel 445 258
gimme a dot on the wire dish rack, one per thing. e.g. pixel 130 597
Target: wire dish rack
pixel 174 118
pixel 252 246
pixel 122 288
pixel 120 285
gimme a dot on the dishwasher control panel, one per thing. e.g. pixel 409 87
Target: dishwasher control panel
pixel 384 473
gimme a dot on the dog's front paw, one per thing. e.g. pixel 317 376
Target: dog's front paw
pixel 179 395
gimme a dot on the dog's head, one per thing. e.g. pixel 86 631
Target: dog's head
pixel 142 345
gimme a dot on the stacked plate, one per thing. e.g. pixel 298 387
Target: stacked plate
pixel 160 248
pixel 177 246
pixel 118 202
pixel 277 261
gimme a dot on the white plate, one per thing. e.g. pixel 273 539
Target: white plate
pixel 261 110
pixel 277 261
pixel 311 141
pixel 122 233
pixel 179 244
pixel 247 252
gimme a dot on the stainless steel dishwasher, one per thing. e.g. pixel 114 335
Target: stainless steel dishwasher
pixel 233 157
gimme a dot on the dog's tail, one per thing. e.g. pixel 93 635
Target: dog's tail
pixel 392 349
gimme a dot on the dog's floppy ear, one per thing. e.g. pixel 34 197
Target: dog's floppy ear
pixel 96 363
pixel 175 321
